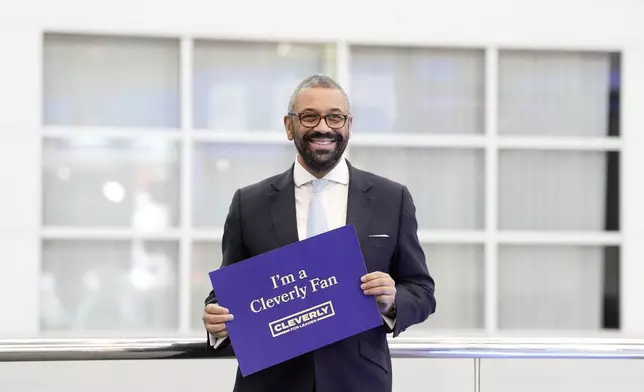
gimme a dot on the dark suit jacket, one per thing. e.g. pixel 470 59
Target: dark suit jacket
pixel 262 217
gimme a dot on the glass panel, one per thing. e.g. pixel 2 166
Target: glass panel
pixel 99 182
pixel 556 93
pixel 111 287
pixel 247 86
pixel 459 272
pixel 206 257
pixel 556 287
pixel 221 168
pixel 447 185
pixel 417 90
pixel 557 190
pixel 111 81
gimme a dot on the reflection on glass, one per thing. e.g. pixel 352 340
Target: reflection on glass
pixel 206 257
pixel 416 90
pixel 459 272
pixel 555 93
pixel 447 185
pixel 111 81
pixel 100 182
pixel 220 169
pixel 553 190
pixel 551 287
pixel 247 86
pixel 110 287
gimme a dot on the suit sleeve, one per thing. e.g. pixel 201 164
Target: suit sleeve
pixel 415 299
pixel 232 246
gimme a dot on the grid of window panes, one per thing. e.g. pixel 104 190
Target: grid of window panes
pixel 136 185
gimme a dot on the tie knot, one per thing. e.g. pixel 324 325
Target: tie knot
pixel 318 185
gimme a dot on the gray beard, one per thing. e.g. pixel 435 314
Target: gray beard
pixel 316 165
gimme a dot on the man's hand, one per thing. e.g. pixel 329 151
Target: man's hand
pixel 214 319
pixel 383 287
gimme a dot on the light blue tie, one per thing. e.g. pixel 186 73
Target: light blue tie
pixel 317 221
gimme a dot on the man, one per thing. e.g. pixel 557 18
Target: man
pixel 321 192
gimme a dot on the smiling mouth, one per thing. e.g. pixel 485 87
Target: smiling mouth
pixel 322 142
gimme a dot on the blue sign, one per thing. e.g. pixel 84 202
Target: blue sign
pixel 295 299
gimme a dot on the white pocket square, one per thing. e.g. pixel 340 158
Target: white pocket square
pixel 378 235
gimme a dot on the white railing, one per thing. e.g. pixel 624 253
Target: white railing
pixel 38 350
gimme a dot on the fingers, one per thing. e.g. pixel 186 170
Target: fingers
pixel 214 328
pixel 381 290
pixel 380 285
pixel 218 330
pixel 378 282
pixel 210 318
pixel 216 309
pixel 221 335
pixel 374 275
pixel 215 314
pixel 214 319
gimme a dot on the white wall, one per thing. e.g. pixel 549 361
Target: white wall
pixel 410 375
pixel 466 21
pixel 601 24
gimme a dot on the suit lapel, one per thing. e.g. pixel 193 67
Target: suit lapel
pixel 283 208
pixel 360 203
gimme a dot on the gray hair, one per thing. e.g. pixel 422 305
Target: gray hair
pixel 316 81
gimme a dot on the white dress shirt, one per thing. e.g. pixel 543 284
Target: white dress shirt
pixel 335 197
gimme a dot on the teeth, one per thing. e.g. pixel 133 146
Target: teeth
pixel 326 141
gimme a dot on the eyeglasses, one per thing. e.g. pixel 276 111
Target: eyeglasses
pixel 311 120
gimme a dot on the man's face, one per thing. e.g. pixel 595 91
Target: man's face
pixel 320 146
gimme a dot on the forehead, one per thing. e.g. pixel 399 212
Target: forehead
pixel 320 99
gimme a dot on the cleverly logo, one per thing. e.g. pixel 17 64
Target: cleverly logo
pixel 301 319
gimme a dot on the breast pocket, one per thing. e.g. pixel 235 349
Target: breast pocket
pixel 378 252
pixel 379 241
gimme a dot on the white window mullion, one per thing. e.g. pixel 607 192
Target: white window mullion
pixel 455 237
pixel 388 140
pixel 99 133
pixel 20 171
pixel 185 253
pixel 632 193
pixel 573 238
pixel 267 136
pixel 491 189
pixel 107 233
pixel 343 76
pixel 560 143
pixel 419 140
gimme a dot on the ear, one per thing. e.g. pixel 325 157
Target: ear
pixel 349 123
pixel 288 127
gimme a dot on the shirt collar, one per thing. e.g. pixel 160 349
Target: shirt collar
pixel 339 174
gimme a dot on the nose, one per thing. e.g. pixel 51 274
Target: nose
pixel 322 127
